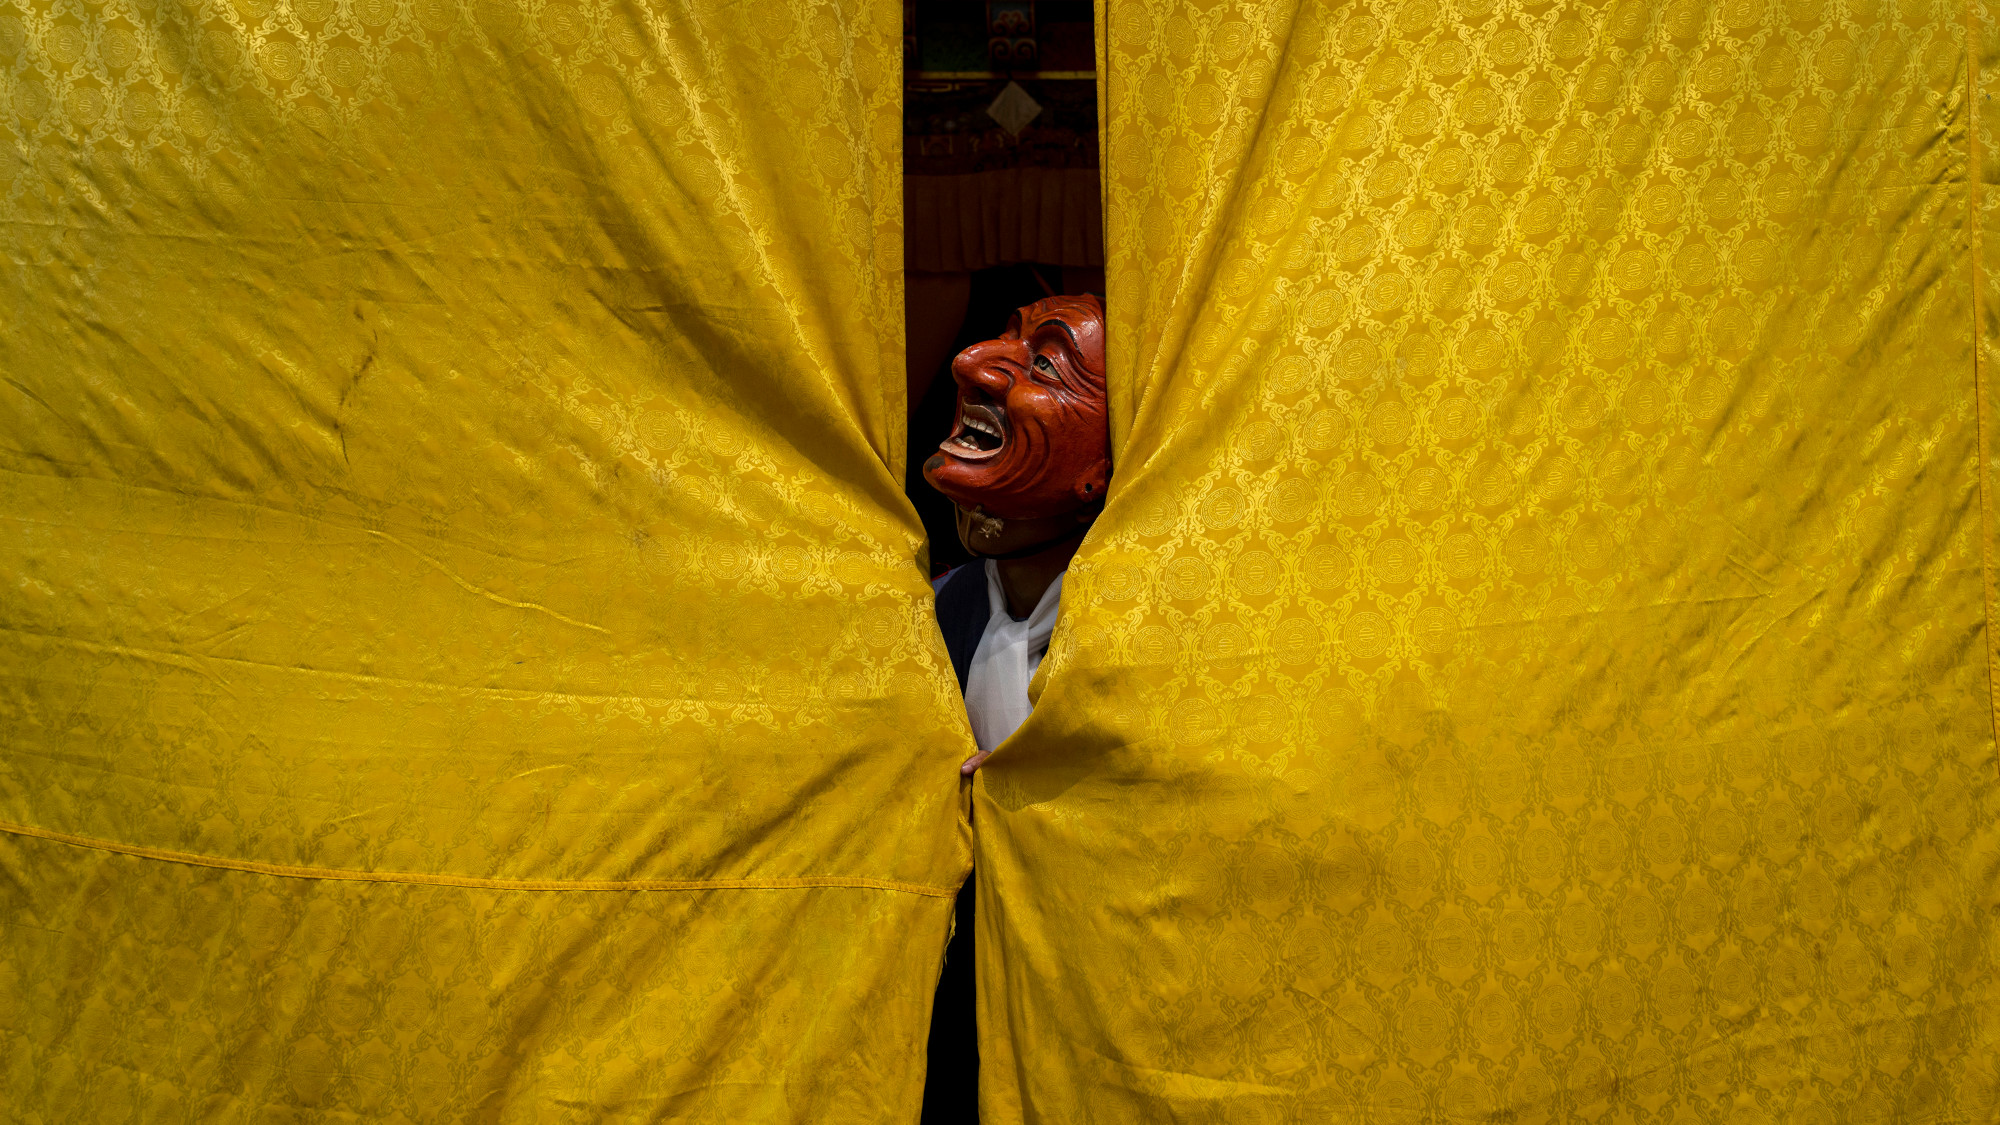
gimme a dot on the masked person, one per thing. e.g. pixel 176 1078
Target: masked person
pixel 1027 464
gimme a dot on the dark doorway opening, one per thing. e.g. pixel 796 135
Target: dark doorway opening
pixel 1002 205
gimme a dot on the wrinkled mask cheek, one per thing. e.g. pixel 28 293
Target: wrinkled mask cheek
pixel 1055 444
pixel 1030 446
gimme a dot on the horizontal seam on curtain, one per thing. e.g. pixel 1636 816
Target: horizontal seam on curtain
pixel 341 875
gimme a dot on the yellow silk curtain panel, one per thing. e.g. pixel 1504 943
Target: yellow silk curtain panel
pixel 463 650
pixel 1535 663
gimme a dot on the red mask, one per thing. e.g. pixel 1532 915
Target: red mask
pixel 1033 435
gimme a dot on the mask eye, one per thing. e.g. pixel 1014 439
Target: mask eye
pixel 1043 365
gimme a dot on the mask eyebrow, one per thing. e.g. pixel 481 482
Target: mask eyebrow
pixel 1069 335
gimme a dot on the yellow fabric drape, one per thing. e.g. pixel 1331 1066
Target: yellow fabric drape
pixel 1535 663
pixel 465 655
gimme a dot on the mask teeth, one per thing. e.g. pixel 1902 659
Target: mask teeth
pixel 978 429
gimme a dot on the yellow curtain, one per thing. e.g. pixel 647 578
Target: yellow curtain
pixel 1536 661
pixel 465 650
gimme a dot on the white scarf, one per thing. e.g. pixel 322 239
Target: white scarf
pixel 996 689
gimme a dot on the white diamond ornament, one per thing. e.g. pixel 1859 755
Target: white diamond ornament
pixel 1014 109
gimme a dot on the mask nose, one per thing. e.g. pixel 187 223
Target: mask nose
pixel 983 365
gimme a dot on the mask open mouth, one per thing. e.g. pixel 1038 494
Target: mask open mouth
pixel 981 429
